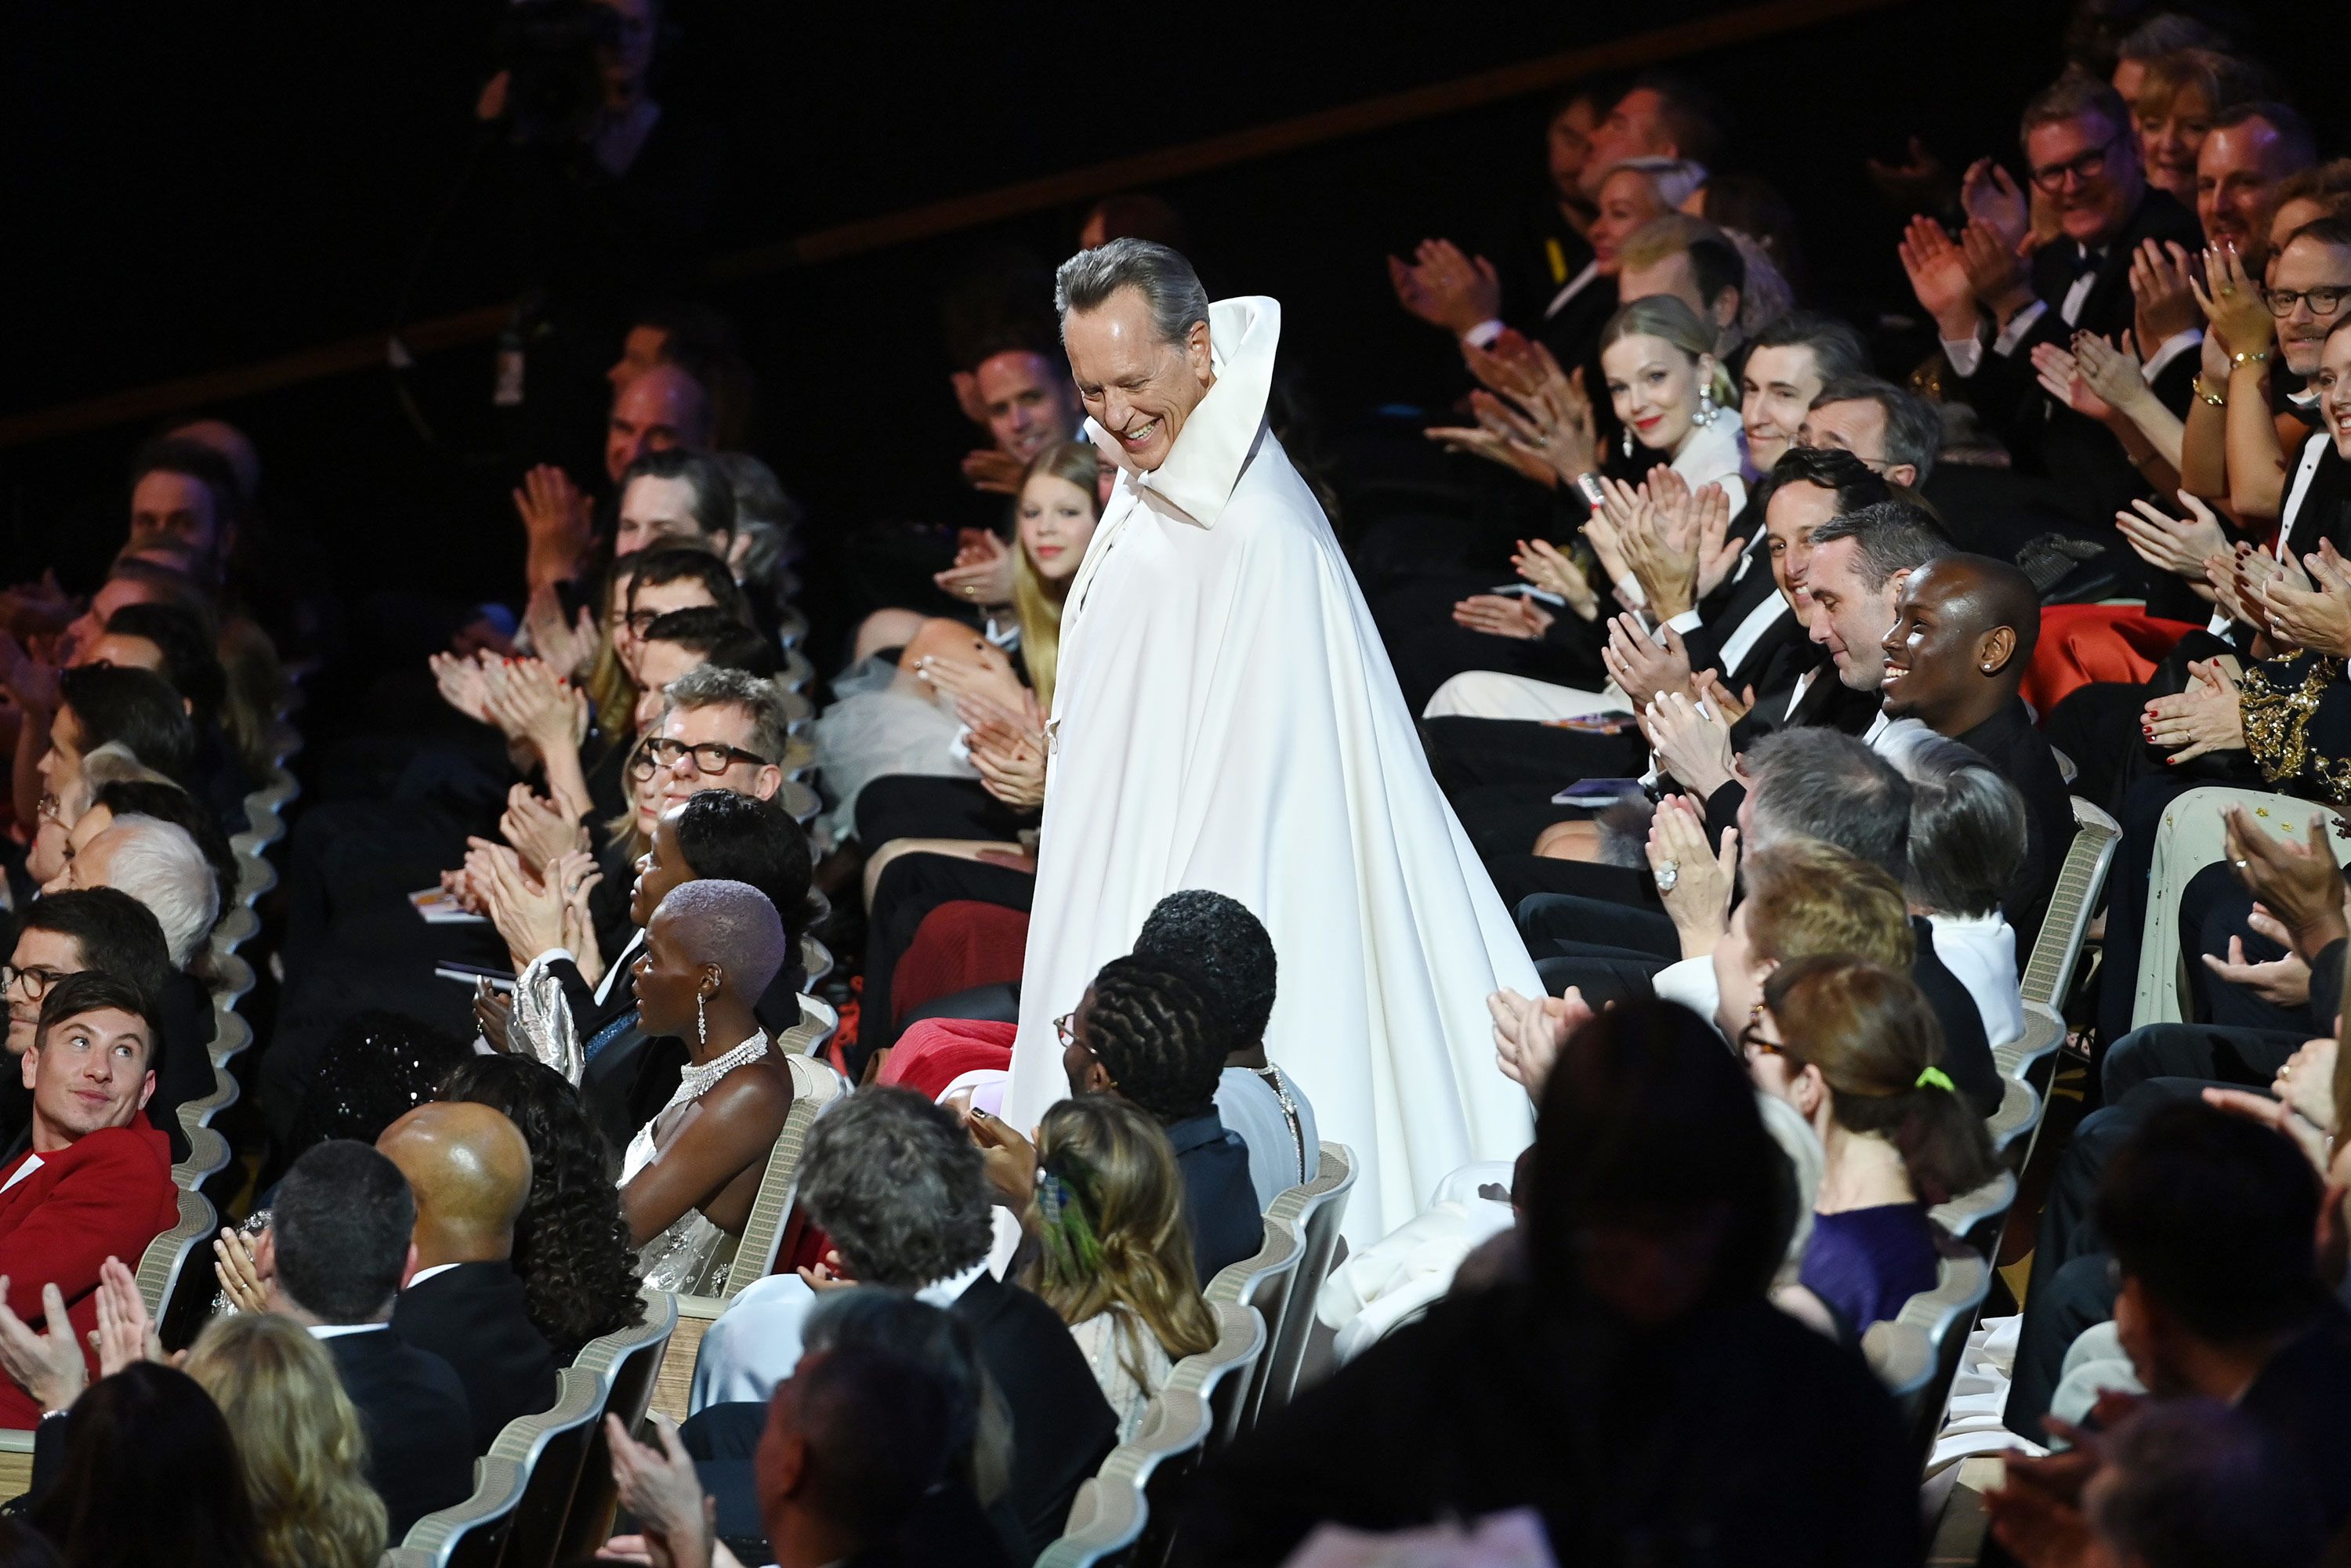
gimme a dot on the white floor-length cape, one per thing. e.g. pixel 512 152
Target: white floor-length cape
pixel 1225 717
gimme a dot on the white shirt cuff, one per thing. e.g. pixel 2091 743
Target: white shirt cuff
pixel 1628 588
pixel 1483 333
pixel 2170 348
pixel 1966 355
pixel 2018 326
pixel 1686 622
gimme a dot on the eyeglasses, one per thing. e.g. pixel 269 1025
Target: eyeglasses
pixel 711 757
pixel 35 979
pixel 641 622
pixel 2087 166
pixel 2322 302
pixel 1751 1037
pixel 1065 1030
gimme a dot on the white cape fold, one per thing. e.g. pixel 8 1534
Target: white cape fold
pixel 1225 717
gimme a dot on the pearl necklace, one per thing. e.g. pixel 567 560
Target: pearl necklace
pixel 693 1082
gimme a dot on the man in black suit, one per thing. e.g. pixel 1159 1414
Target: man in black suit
pixel 335 1255
pixel 1964 630
pixel 2081 152
pixel 470 1171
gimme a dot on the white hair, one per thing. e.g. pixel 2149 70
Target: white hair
pixel 158 863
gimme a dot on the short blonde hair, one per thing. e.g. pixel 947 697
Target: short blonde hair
pixel 1806 897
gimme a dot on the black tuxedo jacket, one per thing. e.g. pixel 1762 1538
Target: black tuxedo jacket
pixel 2303 1400
pixel 419 1427
pixel 476 1318
pixel 1061 1426
pixel 2078 455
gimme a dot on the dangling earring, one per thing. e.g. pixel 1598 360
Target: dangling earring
pixel 1705 405
pixel 1628 441
pixel 700 1024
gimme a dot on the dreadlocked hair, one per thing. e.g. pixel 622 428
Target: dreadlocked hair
pixel 572 1245
pixel 1110 1203
pixel 1155 1032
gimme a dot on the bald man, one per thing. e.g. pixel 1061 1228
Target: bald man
pixel 1964 630
pixel 662 409
pixel 470 1170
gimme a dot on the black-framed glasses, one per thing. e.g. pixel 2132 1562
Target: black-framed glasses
pixel 2082 166
pixel 2323 301
pixel 36 979
pixel 710 757
pixel 641 622
pixel 1751 1037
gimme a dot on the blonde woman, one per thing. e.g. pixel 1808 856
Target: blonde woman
pixel 298 1442
pixel 1116 1254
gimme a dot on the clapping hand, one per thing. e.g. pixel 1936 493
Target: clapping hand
pixel 661 1489
pixel 1539 562
pixel 2205 717
pixel 993 470
pixel 1693 881
pixel 1011 1159
pixel 988 673
pixel 528 912
pixel 1996 274
pixel 1447 288
pixel 2179 546
pixel 1530 1030
pixel 557 524
pixel 2111 372
pixel 1732 706
pixel 2300 884
pixel 1008 748
pixel 1992 198
pixel 569 647
pixel 2318 619
pixel 1503 615
pixel 2162 279
pixel 1515 366
pixel 2232 301
pixel 238 1269
pixel 48 1365
pixel 1642 670
pixel 982 573
pixel 542 829
pixel 464 683
pixel 1689 741
pixel 1938 277
pixel 125 1333
pixel 2061 377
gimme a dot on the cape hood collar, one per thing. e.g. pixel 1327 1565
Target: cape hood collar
pixel 1206 461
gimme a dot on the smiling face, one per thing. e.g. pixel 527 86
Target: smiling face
pixel 647 605
pixel 1934 651
pixel 660 869
pixel 2334 384
pixel 2091 208
pixel 2238 171
pixel 87 859
pixel 1777 386
pixel 1626 201
pixel 1654 386
pixel 2170 139
pixel 1057 521
pixel 1849 618
pixel 1028 402
pixel 669 981
pixel 1138 387
pixel 41 959
pixel 2303 266
pixel 91 1071
pixel 1789 519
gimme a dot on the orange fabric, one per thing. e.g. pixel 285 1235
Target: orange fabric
pixel 2081 643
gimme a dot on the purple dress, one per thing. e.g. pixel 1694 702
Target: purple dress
pixel 1865 1262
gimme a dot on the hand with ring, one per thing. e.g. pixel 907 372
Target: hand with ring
pixel 1693 881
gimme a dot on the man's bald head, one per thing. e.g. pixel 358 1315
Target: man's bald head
pixel 661 410
pixel 1964 631
pixel 470 1170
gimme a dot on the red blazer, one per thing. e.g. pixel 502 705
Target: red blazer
pixel 106 1195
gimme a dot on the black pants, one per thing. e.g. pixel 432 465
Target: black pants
pixel 914 806
pixel 2249 1058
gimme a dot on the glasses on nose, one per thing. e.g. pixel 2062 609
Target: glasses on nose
pixel 711 757
pixel 2322 302
pixel 2084 166
pixel 32 978
pixel 1065 1030
pixel 1751 1037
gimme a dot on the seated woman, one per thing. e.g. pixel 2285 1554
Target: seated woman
pixel 1853 1046
pixel 950 703
pixel 690 1174
pixel 572 1247
pixel 1679 403
pixel 1115 1255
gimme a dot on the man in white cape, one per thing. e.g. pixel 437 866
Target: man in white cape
pixel 1225 717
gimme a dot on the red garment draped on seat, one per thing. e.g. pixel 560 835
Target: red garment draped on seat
pixel 961 944
pixel 2082 643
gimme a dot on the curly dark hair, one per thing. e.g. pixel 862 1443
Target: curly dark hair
pixel 1226 945
pixel 899 1186
pixel 571 1245
pixel 1155 1032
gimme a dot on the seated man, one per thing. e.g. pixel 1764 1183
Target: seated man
pixel 1962 639
pixel 98 705
pixel 107 931
pixel 675 496
pixel 1218 938
pixel 336 1253
pixel 854 1441
pixel 158 863
pixel 900 1189
pixel 94 1180
pixel 469 1169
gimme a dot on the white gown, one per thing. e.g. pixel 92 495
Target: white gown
pixel 1225 719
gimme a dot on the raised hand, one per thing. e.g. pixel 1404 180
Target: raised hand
pixel 1693 881
pixel 1642 670
pixel 569 647
pixel 1008 753
pixel 528 912
pixel 1513 365
pixel 48 1365
pixel 2231 300
pixel 1448 288
pixel 1688 741
pixel 994 470
pixel 2112 372
pixel 2177 545
pixel 464 683
pixel 1938 277
pixel 540 829
pixel 1718 552
pixel 1995 272
pixel 2205 717
pixel 2163 293
pixel 1990 196
pixel 1530 1030
pixel 2061 377
pixel 2299 883
pixel 662 1487
pixel 1503 615
pixel 2318 618
pixel 1539 561
pixel 125 1333
pixel 237 1269
pixel 982 573
pixel 1732 705
pixel 557 524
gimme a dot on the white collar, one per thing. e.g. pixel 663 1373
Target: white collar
pixel 1201 469
pixel 946 1292
pixel 337 1331
pixel 423 1274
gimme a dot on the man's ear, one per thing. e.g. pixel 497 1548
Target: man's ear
pixel 147 1088
pixel 1097 1080
pixel 30 1060
pixel 1196 353
pixel 1893 587
pixel 765 782
pixel 1903 473
pixel 1995 648
pixel 407 1266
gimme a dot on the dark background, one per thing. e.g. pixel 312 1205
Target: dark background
pixel 197 187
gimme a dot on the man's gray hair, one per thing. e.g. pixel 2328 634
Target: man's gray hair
pixel 898 1186
pixel 1891 536
pixel 1816 783
pixel 1914 430
pixel 710 685
pixel 158 863
pixel 1966 824
pixel 1171 289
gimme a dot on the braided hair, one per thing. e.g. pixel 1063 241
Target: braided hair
pixel 1152 1028
pixel 571 1245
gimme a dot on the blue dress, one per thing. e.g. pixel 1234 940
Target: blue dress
pixel 1865 1262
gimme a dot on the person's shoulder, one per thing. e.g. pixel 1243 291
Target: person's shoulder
pixel 759 1086
pixel 139 1149
pixel 427 1373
